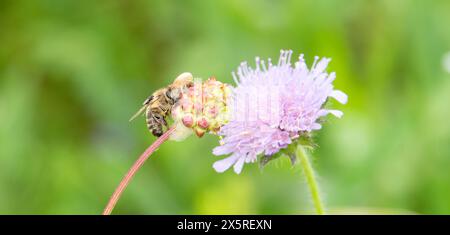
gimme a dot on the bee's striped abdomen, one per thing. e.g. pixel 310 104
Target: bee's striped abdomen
pixel 152 123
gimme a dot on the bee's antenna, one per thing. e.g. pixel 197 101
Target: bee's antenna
pixel 138 113
pixel 145 105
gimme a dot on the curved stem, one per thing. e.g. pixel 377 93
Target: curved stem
pixel 123 184
pixel 310 179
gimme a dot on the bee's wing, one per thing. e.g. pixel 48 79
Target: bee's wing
pixel 145 105
pixel 138 113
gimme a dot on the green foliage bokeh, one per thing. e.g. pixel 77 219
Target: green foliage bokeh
pixel 73 72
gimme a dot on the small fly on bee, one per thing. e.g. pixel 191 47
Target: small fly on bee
pixel 159 105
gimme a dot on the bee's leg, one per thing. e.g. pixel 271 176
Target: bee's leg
pixel 157 132
pixel 156 128
pixel 165 123
pixel 159 118
pixel 161 121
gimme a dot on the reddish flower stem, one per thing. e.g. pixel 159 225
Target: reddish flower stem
pixel 123 184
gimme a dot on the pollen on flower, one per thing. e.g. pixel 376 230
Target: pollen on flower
pixel 202 107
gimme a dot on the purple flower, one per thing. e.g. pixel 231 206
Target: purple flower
pixel 272 105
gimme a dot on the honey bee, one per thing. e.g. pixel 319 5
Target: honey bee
pixel 159 105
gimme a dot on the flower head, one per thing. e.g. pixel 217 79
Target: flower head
pixel 202 108
pixel 271 106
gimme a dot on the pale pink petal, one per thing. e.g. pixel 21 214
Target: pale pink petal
pixel 340 96
pixel 223 165
pixel 322 65
pixel 239 164
pixel 336 113
pixel 322 113
pixel 222 150
pixel 316 126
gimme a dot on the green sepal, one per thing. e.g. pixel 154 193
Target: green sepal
pixel 304 139
pixel 263 160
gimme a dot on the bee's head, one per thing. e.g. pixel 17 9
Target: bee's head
pixel 181 83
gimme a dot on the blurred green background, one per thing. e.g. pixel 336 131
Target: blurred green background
pixel 73 72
